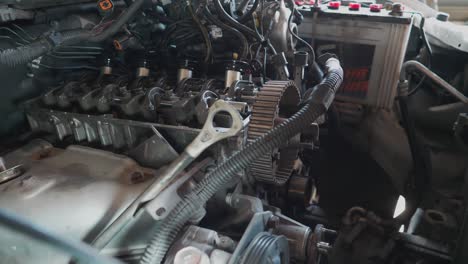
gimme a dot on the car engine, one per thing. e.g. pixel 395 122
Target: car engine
pixel 232 131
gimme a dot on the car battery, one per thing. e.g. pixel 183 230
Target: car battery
pixel 370 42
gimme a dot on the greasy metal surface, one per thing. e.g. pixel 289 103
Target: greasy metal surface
pixel 167 200
pixel 154 152
pixel 115 133
pixel 76 192
pixel 129 234
pixel 274 99
pixel 207 137
pixel 7 174
pixel 103 128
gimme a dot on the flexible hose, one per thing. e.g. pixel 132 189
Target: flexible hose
pixel 24 54
pixel 317 105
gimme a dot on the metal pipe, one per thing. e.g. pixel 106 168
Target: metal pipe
pixel 415 65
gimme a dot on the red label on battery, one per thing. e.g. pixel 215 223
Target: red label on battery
pixel 356 82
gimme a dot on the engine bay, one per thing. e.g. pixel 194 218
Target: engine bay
pixel 248 131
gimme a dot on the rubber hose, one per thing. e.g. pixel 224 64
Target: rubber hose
pixel 243 39
pixel 317 105
pixel 225 16
pixel 24 54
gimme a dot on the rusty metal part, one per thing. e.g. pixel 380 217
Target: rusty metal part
pixel 274 102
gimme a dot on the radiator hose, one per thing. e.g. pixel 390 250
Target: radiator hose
pixel 316 105
pixel 27 53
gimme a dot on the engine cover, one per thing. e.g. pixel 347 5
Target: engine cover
pixel 74 192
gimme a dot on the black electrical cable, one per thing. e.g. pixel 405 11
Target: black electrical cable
pixel 12 40
pixel 311 49
pixel 248 31
pixel 204 32
pixel 418 86
pixel 242 38
pixel 15 34
pixel 420 183
pixel 118 24
pixel 226 17
pixel 422 166
pixel 26 34
pixel 24 54
pixel 245 17
pixel 178 33
pixel 428 50
pixel 424 38
pixel 315 69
